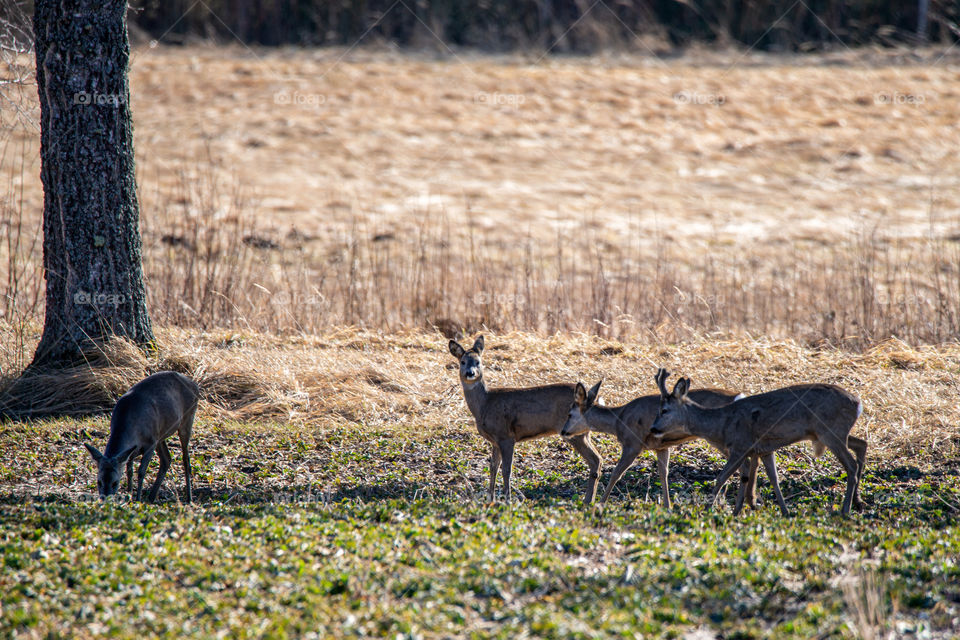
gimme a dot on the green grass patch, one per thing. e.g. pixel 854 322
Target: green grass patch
pixel 354 532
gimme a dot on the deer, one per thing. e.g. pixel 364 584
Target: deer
pixel 144 417
pixel 759 425
pixel 630 425
pixel 506 416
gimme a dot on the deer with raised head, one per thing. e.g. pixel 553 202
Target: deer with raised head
pixel 506 416
pixel 630 425
pixel 144 417
pixel 758 425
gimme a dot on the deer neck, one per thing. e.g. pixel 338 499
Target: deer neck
pixel 122 436
pixel 604 420
pixel 706 423
pixel 475 393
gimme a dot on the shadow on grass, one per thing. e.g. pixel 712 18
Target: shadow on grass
pixel 894 487
pixel 900 487
pixel 300 494
pixel 566 491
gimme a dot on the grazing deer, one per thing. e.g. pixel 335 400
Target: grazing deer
pixel 507 416
pixel 144 417
pixel 630 425
pixel 759 425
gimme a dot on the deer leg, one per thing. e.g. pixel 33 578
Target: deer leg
pixel 142 471
pixel 506 452
pixel 186 430
pixel 164 454
pixel 585 448
pixel 748 476
pixel 850 466
pixel 742 489
pixel 770 464
pixel 130 472
pixel 859 448
pixel 733 463
pixel 627 457
pixel 494 469
pixel 663 468
pixel 751 498
pixel 751 494
pixel 185 447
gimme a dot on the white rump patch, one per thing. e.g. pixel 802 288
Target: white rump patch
pixel 739 396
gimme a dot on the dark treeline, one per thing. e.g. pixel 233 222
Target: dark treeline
pixel 562 26
pixel 559 25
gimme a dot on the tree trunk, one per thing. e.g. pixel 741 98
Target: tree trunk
pixel 91 227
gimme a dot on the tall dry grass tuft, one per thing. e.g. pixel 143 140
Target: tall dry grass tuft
pixel 109 369
pixel 197 263
pixel 866 605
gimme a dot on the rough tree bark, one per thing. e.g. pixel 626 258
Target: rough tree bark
pixel 91 228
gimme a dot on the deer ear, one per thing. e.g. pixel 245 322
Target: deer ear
pixel 478 345
pixel 97 456
pixel 680 389
pixel 594 390
pixel 120 459
pixel 455 349
pixel 580 394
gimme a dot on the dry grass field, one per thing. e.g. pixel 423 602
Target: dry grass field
pixel 317 223
pixel 614 195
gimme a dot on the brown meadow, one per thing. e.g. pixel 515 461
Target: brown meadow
pixel 289 191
